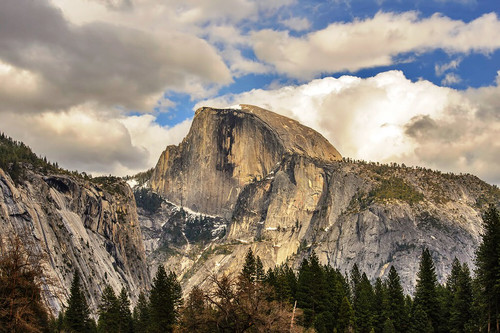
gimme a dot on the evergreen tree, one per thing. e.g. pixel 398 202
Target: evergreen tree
pixel 259 270
pixel 420 322
pixel 336 291
pixel 141 315
pixel 165 299
pixel 126 322
pixel 284 283
pixel 249 268
pixel 109 312
pixel 389 327
pixel 77 316
pixel 488 269
pixel 363 307
pixel 426 296
pixel 461 305
pixel 396 309
pixel 355 282
pixel 345 323
pixel 312 295
pixel 380 313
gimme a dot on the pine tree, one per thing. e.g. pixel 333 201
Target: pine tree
pixel 109 312
pixel 312 294
pixel 363 307
pixel 126 322
pixel 426 297
pixel 488 269
pixel 461 305
pixel 336 291
pixel 355 282
pixel 249 268
pixel 77 316
pixel 420 322
pixel 389 327
pixel 141 315
pixel 380 314
pixel 345 322
pixel 396 309
pixel 165 299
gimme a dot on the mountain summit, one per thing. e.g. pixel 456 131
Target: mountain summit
pixel 245 178
pixel 227 149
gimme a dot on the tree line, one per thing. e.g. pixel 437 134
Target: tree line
pixel 316 298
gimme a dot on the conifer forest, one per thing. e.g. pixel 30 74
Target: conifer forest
pixel 316 298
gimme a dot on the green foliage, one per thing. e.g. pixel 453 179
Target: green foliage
pixel 77 316
pixel 109 312
pixel 111 184
pixel 141 315
pixel 420 321
pixel 165 300
pixel 312 295
pixel 249 268
pixel 396 310
pixel 345 322
pixel 381 306
pixel 389 327
pixel 488 269
pixel 126 321
pixel 14 154
pixel 426 296
pixel 395 188
pixel 147 200
pixel 461 300
pixel 114 312
pixel 364 306
pixel 141 177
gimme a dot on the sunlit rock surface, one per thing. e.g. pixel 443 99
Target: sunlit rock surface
pixel 282 190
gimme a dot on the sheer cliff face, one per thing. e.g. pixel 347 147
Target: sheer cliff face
pixel 87 227
pixel 285 192
pixel 227 149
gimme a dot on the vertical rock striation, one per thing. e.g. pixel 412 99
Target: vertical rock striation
pixel 227 149
pixel 285 191
pixel 89 227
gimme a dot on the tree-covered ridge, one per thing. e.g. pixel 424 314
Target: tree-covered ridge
pixel 15 157
pixel 147 200
pixel 413 184
pixel 141 178
pixel 13 154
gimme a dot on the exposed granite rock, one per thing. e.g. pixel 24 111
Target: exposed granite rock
pixel 284 192
pixel 227 149
pixel 88 227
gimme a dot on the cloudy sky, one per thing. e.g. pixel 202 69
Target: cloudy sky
pixel 104 86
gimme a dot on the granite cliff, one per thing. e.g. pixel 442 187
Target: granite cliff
pixel 254 179
pixel 79 224
pixel 226 150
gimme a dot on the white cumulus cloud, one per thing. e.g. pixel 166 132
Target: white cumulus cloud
pixel 94 140
pixel 372 42
pixel 389 118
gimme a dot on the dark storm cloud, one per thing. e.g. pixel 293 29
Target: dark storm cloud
pixel 96 62
pixel 420 127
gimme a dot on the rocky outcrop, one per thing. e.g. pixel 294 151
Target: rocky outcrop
pixel 83 226
pixel 227 149
pixel 284 191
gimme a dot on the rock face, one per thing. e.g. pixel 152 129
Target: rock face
pixel 284 192
pixel 88 227
pixel 226 150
